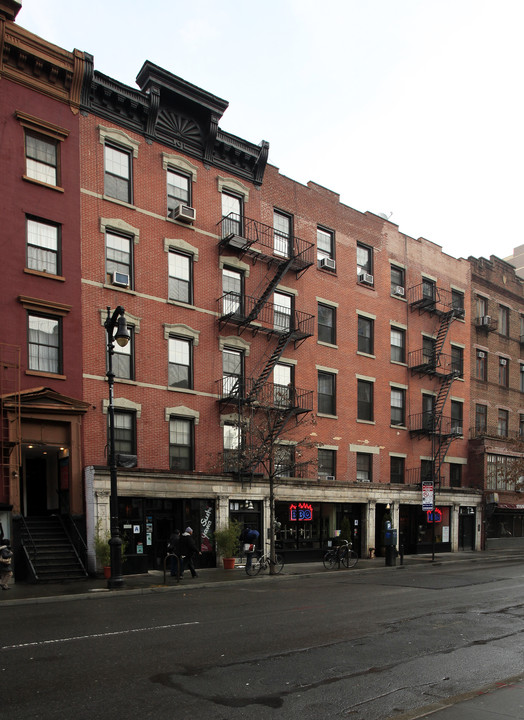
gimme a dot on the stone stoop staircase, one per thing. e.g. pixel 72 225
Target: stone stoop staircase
pixel 51 551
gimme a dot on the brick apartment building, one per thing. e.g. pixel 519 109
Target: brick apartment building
pixel 241 285
pixel 497 406
pixel 40 295
pixel 253 302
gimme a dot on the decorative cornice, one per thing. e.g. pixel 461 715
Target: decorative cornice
pixel 175 113
pixel 48 69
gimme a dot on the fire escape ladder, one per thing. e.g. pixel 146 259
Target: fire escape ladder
pixel 282 269
pixel 445 323
pixel 275 356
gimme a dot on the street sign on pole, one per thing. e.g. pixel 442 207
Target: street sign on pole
pixel 427 495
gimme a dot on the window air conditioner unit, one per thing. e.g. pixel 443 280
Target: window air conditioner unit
pixel 399 290
pixel 330 478
pixel 457 430
pixel 485 320
pixel 120 279
pixel 366 278
pixel 184 213
pixel 327 262
pixel 481 354
pixel 503 361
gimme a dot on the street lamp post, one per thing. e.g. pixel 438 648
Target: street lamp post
pixel 116 320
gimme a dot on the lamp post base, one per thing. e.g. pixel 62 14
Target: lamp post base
pixel 114 583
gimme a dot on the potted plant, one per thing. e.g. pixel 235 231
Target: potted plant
pixel 103 549
pixel 227 540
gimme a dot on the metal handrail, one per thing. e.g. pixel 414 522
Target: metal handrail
pixel 265 239
pixel 31 556
pixel 236 308
pixel 79 538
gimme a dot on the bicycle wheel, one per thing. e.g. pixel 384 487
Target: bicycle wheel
pixel 255 567
pixel 330 560
pixel 349 559
pixel 278 564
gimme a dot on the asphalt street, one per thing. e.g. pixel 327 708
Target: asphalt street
pixel 374 643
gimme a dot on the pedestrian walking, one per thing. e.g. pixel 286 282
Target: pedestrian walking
pixel 188 550
pixel 5 565
pixel 173 550
pixel 248 540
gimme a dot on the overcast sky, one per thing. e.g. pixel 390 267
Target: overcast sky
pixel 408 107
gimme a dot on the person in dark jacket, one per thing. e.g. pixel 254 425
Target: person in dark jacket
pixel 249 536
pixel 173 549
pixel 188 550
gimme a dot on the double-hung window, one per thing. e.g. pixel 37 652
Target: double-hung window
pixel 282 231
pixel 327 324
pixel 398 345
pixel 117 173
pixel 178 190
pixel 503 372
pixel 428 351
pixel 283 385
pixel 125 432
pixel 43 246
pixel 325 248
pixel 398 287
pixel 327 462
pixel 365 335
pixel 283 311
pixel 364 400
pixel 232 214
pixel 233 291
pixel 181 445
pixel 429 291
pixel 123 357
pixel 457 302
pixel 180 277
pixel 398 406
pixel 180 363
pixel 364 263
pixel 456 417
pixel 481 419
pixel 521 373
pixel 457 360
pixel 44 344
pixel 232 372
pixel 481 364
pixel 364 467
pixel 502 422
pixel 326 393
pixel 396 469
pixel 232 440
pixel 503 320
pixel 119 259
pixel 41 153
pixel 284 459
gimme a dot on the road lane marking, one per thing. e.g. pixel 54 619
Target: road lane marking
pixel 96 635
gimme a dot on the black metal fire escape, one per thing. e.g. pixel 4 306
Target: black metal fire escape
pixel 262 244
pixel 433 362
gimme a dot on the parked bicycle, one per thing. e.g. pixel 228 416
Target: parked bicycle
pixel 262 561
pixel 340 555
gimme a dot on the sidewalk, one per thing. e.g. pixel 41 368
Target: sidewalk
pixel 26 594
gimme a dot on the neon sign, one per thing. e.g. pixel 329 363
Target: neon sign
pixel 302 511
pixel 434 515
